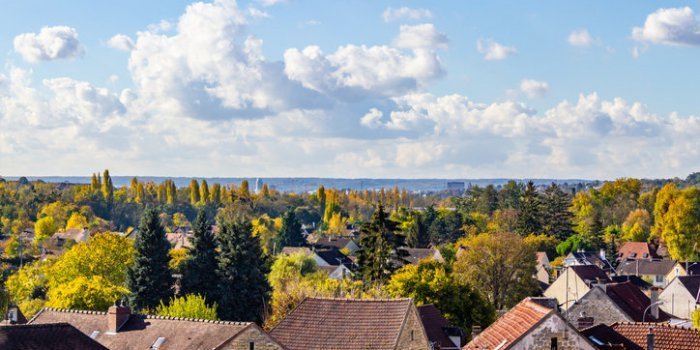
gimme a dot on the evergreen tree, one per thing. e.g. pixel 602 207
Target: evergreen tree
pixel 556 217
pixel 509 196
pixel 487 202
pixel 194 192
pixel 149 278
pixel 378 244
pixel 530 212
pixel 198 274
pixel 290 232
pixel 243 288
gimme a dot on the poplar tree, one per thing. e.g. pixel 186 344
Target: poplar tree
pixel 243 288
pixel 149 278
pixel 199 275
pixel 244 191
pixel 216 194
pixel 321 195
pixel 107 187
pixel 204 190
pixel 194 192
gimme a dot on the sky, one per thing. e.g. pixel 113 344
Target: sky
pixel 371 89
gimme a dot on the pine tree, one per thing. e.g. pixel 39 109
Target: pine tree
pixel 243 288
pixel 198 273
pixel 530 214
pixel 556 216
pixel 149 278
pixel 204 189
pixel 290 233
pixel 378 244
pixel 194 192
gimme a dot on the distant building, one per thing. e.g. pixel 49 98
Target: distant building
pixel 455 185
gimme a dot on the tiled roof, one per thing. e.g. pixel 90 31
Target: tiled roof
pixel 512 325
pixel 645 267
pixel 692 284
pixel 590 273
pixel 414 255
pixel 57 336
pixel 141 331
pixel 636 250
pixel 665 337
pixel 632 301
pixel 636 280
pixel 586 258
pixel 605 338
pixel 332 242
pixel 343 324
pixel 333 257
pixel 435 325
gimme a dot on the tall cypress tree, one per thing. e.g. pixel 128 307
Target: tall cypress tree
pixel 149 278
pixel 556 216
pixel 290 232
pixel 198 274
pixel 530 214
pixel 243 288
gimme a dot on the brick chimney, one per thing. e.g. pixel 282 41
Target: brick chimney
pixel 583 321
pixel 654 299
pixel 117 315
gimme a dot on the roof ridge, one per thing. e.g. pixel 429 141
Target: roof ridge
pixel 190 319
pixel 359 299
pixel 36 325
pixel 74 311
pixel 656 324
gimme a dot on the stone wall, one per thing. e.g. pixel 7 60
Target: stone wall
pixel 540 338
pixel 413 335
pixel 252 334
pixel 596 304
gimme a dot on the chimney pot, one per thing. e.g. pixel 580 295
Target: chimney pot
pixel 117 315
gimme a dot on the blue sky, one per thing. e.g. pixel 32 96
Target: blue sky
pixel 350 89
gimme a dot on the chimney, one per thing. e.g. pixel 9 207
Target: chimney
pixel 117 315
pixel 654 297
pixel 476 330
pixel 650 339
pixel 583 321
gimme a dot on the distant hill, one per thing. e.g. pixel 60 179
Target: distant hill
pixel 306 184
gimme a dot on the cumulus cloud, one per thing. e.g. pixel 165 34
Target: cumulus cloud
pixel 580 38
pixel 372 119
pixel 422 36
pixel 51 43
pixel 121 42
pixel 670 26
pixel 494 51
pixel 257 13
pixel 271 2
pixel 534 88
pixel 394 14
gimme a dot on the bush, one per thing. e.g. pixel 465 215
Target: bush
pixel 189 306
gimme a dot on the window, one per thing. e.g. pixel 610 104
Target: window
pixel 412 335
pixel 554 345
pixel 158 343
pixel 251 345
pixel 659 278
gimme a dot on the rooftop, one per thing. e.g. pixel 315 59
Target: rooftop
pixel 57 336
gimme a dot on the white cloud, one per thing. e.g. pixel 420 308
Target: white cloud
pixel 121 42
pixel 271 2
pixel 580 38
pixel 670 26
pixel 394 14
pixel 256 13
pixel 51 43
pixel 422 36
pixel 534 88
pixel 372 119
pixel 494 51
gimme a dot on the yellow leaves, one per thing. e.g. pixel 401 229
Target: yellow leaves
pixel 177 259
pixel 44 228
pixel 677 215
pixel 189 306
pixel 76 220
pixel 337 224
pixel 85 293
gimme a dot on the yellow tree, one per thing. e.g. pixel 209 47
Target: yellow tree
pixel 76 220
pixel 44 228
pixel 679 225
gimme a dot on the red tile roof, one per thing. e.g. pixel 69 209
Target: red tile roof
pixel 665 337
pixel 512 325
pixel 636 250
pixel 343 324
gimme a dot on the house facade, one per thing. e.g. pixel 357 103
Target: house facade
pixel 573 283
pixel 680 298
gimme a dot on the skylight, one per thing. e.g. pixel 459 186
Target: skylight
pixel 158 343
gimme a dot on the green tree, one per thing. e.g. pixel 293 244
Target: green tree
pixel 107 187
pixel 509 195
pixel 243 288
pixel 204 189
pixel 149 279
pixel 194 192
pixel 378 247
pixel 556 214
pixel 678 222
pixel 530 215
pixel 188 306
pixel 199 275
pixel 636 227
pixel 290 233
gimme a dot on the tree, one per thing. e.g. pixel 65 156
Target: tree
pixel 678 222
pixel 90 275
pixel 321 196
pixel 499 265
pixel 636 227
pixel 243 288
pixel 290 233
pixel 149 279
pixel 244 190
pixel 199 275
pixel 194 192
pixel 430 282
pixel 337 224
pixel 509 196
pixel 378 246
pixel 487 202
pixel 44 228
pixel 107 187
pixel 530 215
pixel 76 220
pixel 204 190
pixel 266 229
pixel 188 306
pixel 216 194
pixel 556 217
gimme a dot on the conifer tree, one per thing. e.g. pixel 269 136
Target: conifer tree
pixel 194 192
pixel 290 233
pixel 204 189
pixel 530 212
pixel 378 247
pixel 556 217
pixel 243 288
pixel 199 275
pixel 149 279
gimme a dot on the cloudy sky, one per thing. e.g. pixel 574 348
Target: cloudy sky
pixel 466 89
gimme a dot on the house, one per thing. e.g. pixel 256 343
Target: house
pixel 414 255
pixel 636 250
pixel 441 335
pixel 688 268
pixel 179 240
pixel 13 315
pixel 352 324
pixel 643 336
pixel 574 282
pixel 582 258
pixel 323 258
pixel 532 324
pixel 614 302
pixel 77 235
pixel 653 271
pixel 57 336
pixel 643 285
pixel 682 296
pixel 543 268
pixel 332 242
pixel 118 328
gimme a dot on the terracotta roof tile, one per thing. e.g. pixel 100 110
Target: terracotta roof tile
pixel 509 327
pixel 343 324
pixel 636 250
pixel 665 337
